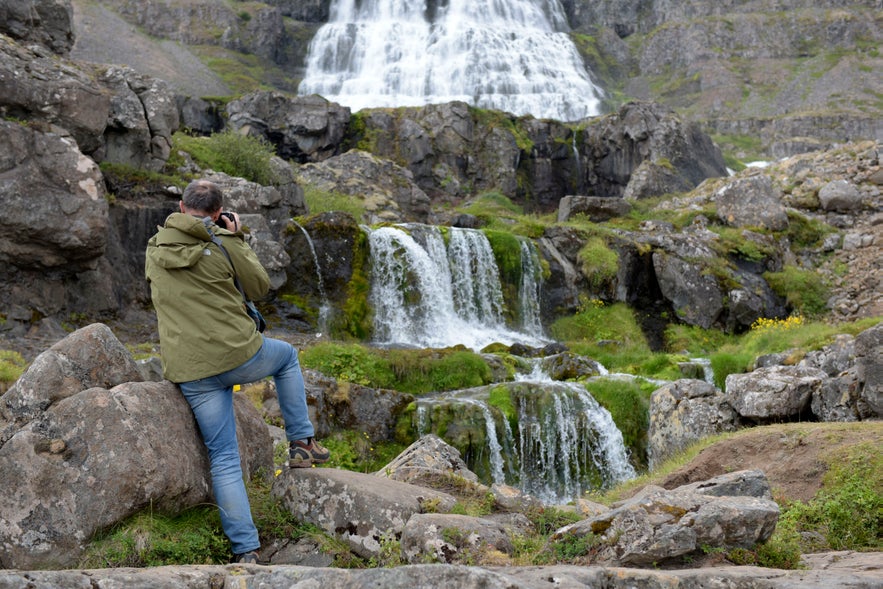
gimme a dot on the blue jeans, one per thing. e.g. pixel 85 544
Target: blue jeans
pixel 211 399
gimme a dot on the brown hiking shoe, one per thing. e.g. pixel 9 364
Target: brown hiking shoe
pixel 306 453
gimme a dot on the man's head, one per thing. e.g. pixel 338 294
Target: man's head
pixel 202 198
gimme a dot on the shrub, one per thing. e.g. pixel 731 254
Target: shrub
pixel 723 364
pixel 599 263
pixel 230 152
pixel 804 290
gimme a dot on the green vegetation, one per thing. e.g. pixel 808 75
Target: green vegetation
pixel 12 365
pixel 323 201
pixel 598 263
pixel 232 153
pixel 629 405
pixel 410 371
pixel 804 290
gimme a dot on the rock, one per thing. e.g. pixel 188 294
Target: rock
pixel 743 483
pixel 303 128
pixel 777 393
pixel 840 195
pixel 751 201
pixel 679 155
pixel 91 357
pixel 78 420
pixel 695 295
pixel 869 372
pixel 683 412
pixel 45 90
pixel 68 227
pixel 359 509
pixel 596 208
pixel 47 22
pixel 339 405
pixel 568 366
pixel 667 525
pixel 387 190
pixel 426 457
pixel 143 115
pixel 451 538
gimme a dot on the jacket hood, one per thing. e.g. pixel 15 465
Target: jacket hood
pixel 181 242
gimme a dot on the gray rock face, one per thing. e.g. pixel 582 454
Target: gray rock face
pixel 68 227
pixel 387 190
pixel 683 412
pixel 143 116
pixel 38 86
pixel 695 296
pixel 777 393
pixel 869 371
pixel 840 195
pixel 47 22
pixel 437 537
pixel 85 444
pixel 303 129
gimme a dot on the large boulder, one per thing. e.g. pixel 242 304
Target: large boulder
pixel 775 393
pixel 683 412
pixel 665 525
pixel 362 510
pixel 869 371
pixel 616 145
pixel 85 445
pixel 694 294
pixel 751 201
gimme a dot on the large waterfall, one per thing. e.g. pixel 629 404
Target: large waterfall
pixel 428 293
pixel 509 55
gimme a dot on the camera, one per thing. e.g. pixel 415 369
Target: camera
pixel 227 221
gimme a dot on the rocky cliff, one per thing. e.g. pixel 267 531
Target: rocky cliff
pixel 768 79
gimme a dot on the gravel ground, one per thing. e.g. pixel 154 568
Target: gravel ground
pixel 98 31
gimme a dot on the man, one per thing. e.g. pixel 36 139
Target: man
pixel 209 344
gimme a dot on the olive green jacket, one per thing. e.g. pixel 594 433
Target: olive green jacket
pixel 203 328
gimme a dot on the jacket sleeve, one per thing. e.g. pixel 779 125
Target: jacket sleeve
pixel 252 276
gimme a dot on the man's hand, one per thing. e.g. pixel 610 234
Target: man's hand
pixel 229 221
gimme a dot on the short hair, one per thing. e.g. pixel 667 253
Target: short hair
pixel 203 196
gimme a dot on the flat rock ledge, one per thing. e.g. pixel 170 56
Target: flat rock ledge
pixel 829 571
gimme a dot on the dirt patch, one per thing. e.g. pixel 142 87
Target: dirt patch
pixel 795 456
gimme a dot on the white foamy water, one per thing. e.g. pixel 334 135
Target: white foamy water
pixel 432 295
pixel 509 55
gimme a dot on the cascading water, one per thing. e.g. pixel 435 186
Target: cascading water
pixel 565 444
pixel 324 306
pixel 529 289
pixel 509 55
pixel 428 294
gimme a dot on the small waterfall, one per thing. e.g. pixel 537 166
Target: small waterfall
pixel 324 306
pixel 512 55
pixel 566 442
pixel 529 290
pixel 427 294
